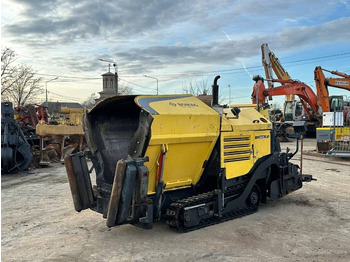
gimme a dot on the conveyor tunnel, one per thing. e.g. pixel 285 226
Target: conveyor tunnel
pixel 110 127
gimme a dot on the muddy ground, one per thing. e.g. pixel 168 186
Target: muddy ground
pixel 38 223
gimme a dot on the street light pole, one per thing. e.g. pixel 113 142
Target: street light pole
pixel 115 74
pixel 229 95
pixel 153 78
pixel 46 88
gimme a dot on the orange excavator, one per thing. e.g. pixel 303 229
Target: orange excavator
pixel 292 109
pixel 308 101
pixel 324 100
pixel 313 105
pixel 335 138
pixel 291 87
pixel 300 110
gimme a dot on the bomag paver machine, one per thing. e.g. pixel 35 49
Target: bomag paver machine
pixel 173 157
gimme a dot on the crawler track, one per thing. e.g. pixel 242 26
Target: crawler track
pixel 174 215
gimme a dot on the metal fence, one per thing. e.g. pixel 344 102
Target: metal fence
pixel 339 122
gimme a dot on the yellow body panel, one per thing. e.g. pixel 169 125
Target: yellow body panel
pixel 75 115
pixel 249 140
pixel 47 130
pixel 249 119
pixel 340 132
pixel 188 129
pixel 264 112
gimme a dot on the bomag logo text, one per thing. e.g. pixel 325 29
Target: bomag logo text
pixel 183 104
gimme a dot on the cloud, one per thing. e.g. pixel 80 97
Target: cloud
pixel 319 34
pixel 140 60
pixel 69 37
pixel 57 22
pixel 66 21
pixel 228 51
pixel 83 19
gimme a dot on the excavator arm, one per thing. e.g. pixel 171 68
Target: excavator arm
pixel 339 83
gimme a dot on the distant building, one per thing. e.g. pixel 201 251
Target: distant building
pixel 109 87
pixel 55 107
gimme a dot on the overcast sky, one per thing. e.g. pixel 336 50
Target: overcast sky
pixel 174 41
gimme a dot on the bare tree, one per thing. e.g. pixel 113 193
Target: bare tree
pixel 25 85
pixel 8 57
pixel 125 90
pixel 201 87
pixel 197 88
pixel 18 82
pixel 90 101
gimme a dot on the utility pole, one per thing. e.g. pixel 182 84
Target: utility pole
pixel 116 78
pixel 46 104
pixel 153 78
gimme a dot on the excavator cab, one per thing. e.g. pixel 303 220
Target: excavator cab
pixel 294 111
pixel 288 110
pixel 337 103
pixel 299 112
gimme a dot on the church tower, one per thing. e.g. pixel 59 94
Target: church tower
pixel 109 85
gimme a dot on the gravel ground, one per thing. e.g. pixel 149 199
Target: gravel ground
pixel 38 223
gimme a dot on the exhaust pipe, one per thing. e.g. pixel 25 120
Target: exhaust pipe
pixel 215 91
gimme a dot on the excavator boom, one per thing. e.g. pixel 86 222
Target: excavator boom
pixel 322 84
pixel 266 61
pixel 271 62
pixel 289 87
pixel 300 89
